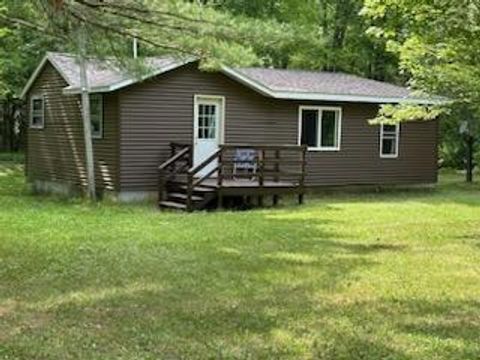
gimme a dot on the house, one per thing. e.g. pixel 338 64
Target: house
pixel 308 129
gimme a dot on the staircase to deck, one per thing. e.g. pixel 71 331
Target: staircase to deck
pixel 176 196
pixel 183 186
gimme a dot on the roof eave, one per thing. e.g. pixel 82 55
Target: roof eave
pixel 124 83
pixel 291 95
pixel 33 77
pixel 353 98
pixel 95 89
pixel 235 75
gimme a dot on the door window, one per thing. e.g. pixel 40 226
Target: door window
pixel 207 121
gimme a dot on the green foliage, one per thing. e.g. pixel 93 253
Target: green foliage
pixel 311 34
pixel 20 48
pixel 390 275
pixel 394 114
pixel 335 36
pixel 173 27
pixel 437 44
pixel 452 147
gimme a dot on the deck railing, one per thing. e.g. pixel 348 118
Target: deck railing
pixel 273 163
pixel 180 154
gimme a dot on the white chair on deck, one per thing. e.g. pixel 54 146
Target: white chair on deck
pixel 245 162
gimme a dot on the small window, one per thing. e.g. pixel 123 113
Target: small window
pixel 320 128
pixel 96 115
pixel 37 112
pixel 389 139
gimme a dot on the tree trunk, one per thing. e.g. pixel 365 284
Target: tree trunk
pixel 8 134
pixel 469 141
pixel 87 131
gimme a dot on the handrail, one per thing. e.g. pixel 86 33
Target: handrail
pixel 174 158
pixel 206 176
pixel 263 175
pixel 177 144
pixel 170 164
pixel 263 147
pixel 195 169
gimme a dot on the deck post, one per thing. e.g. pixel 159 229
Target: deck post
pixel 189 192
pixel 275 199
pixel 277 174
pixel 161 185
pixel 190 155
pixel 173 150
pixel 301 191
pixel 261 179
pixel 220 177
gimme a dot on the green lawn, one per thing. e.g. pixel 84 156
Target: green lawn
pixel 392 275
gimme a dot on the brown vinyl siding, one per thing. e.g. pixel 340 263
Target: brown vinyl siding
pixel 158 111
pixel 57 153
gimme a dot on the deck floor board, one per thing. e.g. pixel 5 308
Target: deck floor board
pixel 245 183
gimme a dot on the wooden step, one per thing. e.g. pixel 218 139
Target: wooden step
pixel 183 196
pixel 199 189
pixel 173 205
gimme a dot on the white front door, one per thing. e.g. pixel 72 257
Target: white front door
pixel 208 127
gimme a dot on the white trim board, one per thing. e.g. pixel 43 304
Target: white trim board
pixel 291 95
pixel 221 127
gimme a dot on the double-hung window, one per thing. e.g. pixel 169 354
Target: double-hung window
pixel 320 127
pixel 389 140
pixel 37 112
pixel 96 115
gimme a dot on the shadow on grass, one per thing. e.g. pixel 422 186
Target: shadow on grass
pixel 438 327
pixel 269 288
pixel 256 293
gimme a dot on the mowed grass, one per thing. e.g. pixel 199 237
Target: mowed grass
pixel 390 275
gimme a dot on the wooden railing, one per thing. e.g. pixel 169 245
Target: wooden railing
pixel 267 155
pixel 273 163
pixel 180 154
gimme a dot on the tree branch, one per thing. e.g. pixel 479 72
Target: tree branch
pixel 8 20
pixel 118 31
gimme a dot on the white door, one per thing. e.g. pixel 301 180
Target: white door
pixel 208 127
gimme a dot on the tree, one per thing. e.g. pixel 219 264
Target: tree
pixel 437 43
pixel 338 36
pixel 19 51
pixel 179 28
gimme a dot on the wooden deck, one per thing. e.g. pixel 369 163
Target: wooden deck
pixel 279 169
pixel 245 183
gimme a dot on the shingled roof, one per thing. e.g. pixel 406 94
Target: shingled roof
pixel 106 75
pixel 321 82
pixel 102 75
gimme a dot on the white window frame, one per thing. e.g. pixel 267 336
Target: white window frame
pixel 102 115
pixel 32 99
pixel 199 99
pixel 397 142
pixel 320 110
